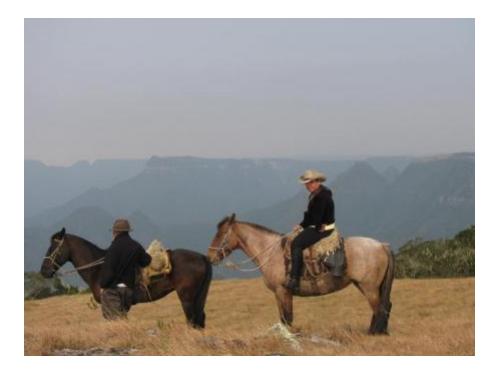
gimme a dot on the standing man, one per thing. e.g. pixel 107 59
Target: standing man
pixel 122 260
pixel 318 222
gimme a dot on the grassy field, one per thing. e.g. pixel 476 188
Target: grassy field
pixel 429 317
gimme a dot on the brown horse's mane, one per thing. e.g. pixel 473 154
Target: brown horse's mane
pixel 222 222
pixel 92 246
pixel 256 226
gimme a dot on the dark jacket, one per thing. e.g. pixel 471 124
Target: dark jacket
pixel 121 261
pixel 321 209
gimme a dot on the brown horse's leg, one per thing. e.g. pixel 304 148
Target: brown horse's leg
pixel 189 307
pixel 285 305
pixel 201 295
pixel 96 292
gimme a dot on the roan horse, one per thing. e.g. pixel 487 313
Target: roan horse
pixel 190 277
pixel 370 267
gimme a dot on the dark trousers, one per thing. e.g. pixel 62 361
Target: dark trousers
pixel 306 238
pixel 116 302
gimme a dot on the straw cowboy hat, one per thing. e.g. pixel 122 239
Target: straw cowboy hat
pixel 312 175
pixel 121 225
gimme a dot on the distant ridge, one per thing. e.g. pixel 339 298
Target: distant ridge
pixel 431 198
pixel 181 204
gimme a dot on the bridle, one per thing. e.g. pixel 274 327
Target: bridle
pixel 52 257
pixel 221 253
pixel 221 250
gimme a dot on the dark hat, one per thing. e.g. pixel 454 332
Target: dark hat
pixel 121 225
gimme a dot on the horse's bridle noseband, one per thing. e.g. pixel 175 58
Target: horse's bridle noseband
pixel 221 250
pixel 52 257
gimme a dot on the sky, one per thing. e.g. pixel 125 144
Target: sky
pixel 247 88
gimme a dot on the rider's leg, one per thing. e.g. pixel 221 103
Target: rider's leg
pixel 306 238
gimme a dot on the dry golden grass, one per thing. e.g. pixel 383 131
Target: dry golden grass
pixel 429 317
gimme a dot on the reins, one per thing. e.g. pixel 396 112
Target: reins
pixel 52 257
pixel 232 265
pixel 84 267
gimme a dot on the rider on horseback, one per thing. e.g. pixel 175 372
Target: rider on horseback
pixel 317 223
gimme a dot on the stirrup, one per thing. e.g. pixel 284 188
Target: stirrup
pixel 292 284
pixel 338 272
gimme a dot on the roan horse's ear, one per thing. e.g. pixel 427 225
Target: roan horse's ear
pixel 231 219
pixel 62 232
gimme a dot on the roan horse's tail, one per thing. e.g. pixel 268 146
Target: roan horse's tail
pixel 385 293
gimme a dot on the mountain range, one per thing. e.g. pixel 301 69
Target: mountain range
pixel 430 198
pixel 179 200
pixel 168 189
pixel 48 186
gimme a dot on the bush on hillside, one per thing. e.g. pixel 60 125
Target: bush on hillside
pixel 36 286
pixel 439 258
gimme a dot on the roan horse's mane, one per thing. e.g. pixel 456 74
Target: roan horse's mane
pixel 256 226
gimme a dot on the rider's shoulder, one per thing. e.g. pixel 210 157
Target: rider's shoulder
pixel 325 191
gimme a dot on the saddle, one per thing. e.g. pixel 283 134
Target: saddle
pixel 160 263
pixel 320 258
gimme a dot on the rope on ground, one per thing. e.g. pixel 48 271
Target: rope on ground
pixel 284 332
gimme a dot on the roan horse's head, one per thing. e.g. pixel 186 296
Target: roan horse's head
pixel 57 254
pixel 224 241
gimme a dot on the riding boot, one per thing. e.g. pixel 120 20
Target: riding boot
pixel 292 284
pixel 294 280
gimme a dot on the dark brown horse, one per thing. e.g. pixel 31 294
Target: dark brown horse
pixel 190 277
pixel 370 267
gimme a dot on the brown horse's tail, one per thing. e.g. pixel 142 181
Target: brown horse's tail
pixel 385 293
pixel 201 296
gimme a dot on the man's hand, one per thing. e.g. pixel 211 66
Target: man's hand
pixel 297 228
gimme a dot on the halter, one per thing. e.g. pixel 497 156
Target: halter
pixel 52 257
pixel 221 250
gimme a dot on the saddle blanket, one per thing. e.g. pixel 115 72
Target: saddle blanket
pixel 160 262
pixel 321 249
pixel 318 257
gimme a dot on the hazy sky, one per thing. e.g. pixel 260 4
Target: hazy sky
pixel 247 88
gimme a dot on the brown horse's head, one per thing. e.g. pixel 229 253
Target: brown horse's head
pixel 57 254
pixel 224 241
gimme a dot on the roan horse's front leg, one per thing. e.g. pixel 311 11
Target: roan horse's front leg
pixel 285 305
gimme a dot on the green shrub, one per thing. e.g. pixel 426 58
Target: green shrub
pixel 37 287
pixel 439 258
